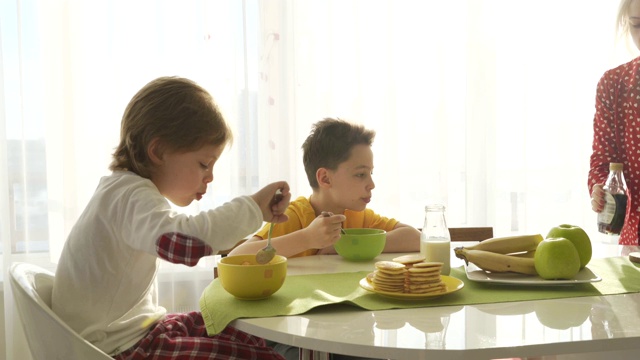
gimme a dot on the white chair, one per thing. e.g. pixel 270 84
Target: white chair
pixel 47 335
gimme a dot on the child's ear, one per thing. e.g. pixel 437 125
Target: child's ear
pixel 154 151
pixel 324 177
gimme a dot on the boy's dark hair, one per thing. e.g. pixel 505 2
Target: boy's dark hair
pixel 329 144
pixel 177 111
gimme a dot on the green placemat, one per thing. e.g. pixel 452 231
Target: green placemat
pixel 302 293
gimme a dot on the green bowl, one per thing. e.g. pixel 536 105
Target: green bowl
pixel 361 244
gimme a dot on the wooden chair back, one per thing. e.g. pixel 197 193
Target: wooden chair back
pixel 471 233
pixel 224 253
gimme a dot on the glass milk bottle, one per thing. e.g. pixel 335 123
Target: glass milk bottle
pixel 611 218
pixel 435 241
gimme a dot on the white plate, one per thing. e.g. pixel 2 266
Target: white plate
pixel 474 273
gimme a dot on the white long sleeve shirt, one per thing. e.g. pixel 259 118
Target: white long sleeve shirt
pixel 105 283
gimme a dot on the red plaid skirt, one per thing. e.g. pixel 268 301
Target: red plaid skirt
pixel 184 336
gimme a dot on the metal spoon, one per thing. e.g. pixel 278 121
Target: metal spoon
pixel 267 253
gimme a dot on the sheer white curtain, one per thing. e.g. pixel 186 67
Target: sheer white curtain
pixel 483 105
pixel 69 68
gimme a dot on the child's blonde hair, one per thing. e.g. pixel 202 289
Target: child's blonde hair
pixel 178 112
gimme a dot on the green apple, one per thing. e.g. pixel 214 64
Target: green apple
pixel 578 237
pixel 556 258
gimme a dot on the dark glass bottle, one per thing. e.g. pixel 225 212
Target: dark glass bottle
pixel 611 218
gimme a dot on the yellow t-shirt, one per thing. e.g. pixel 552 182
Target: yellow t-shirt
pixel 301 214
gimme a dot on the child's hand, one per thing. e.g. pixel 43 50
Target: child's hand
pixel 324 230
pixel 273 205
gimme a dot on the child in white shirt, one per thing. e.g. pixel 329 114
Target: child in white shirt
pixel 172 134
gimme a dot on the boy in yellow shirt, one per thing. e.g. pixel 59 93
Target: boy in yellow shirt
pixel 338 161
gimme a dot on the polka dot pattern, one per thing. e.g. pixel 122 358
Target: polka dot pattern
pixel 616 137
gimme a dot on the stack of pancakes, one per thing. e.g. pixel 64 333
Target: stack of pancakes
pixel 389 276
pixel 407 274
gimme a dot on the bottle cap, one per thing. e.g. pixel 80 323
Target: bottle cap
pixel 616 166
pixel 434 207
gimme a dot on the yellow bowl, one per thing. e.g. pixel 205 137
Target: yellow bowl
pixel 361 244
pixel 244 278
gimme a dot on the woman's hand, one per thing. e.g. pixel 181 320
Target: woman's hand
pixel 597 198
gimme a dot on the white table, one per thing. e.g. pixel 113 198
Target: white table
pixel 580 328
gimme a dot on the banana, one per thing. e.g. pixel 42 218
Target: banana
pixel 509 244
pixel 491 261
pixel 525 254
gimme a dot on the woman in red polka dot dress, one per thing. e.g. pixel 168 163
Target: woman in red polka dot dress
pixel 616 126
